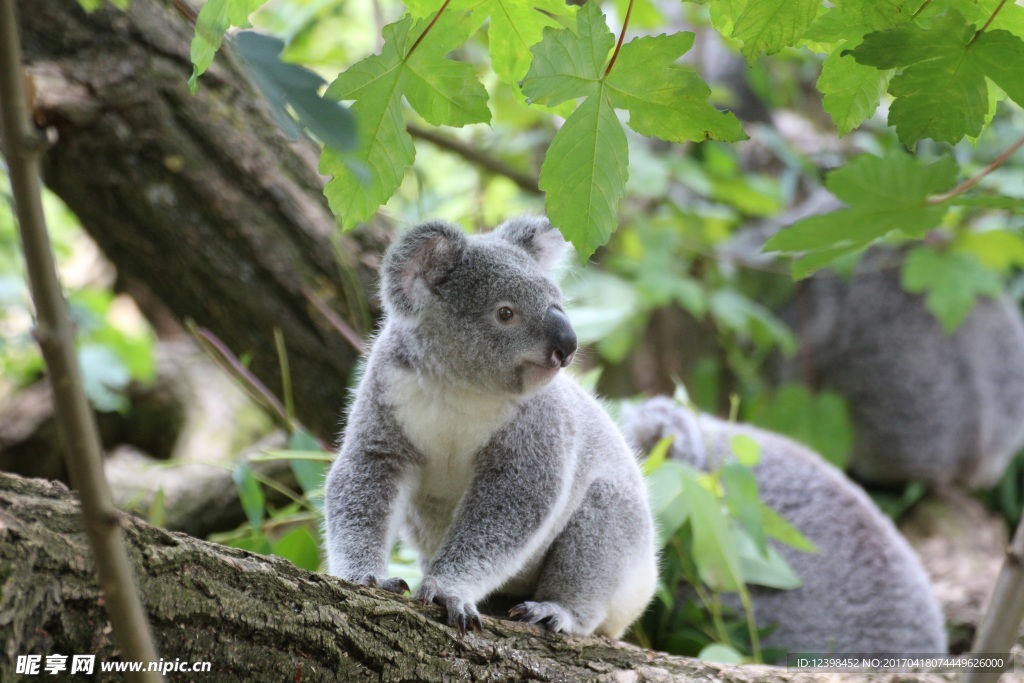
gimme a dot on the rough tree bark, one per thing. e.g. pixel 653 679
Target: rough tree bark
pixel 258 618
pixel 202 198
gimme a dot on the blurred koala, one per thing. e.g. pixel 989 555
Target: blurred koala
pixel 864 591
pixel 925 405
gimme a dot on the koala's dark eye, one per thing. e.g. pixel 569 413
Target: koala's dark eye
pixel 505 314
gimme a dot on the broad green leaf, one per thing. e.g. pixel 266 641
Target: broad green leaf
pixel 769 25
pixel 656 457
pixel 882 194
pixel 570 64
pixel 875 15
pixel 585 170
pixel 714 548
pixel 309 471
pixel 668 504
pixel 292 88
pixel 717 652
pixel 744 503
pixel 442 91
pixel 250 493
pixel 851 90
pixel 941 91
pixel 584 175
pixel 764 566
pixel 299 547
pixel 214 19
pixel 778 528
pixel 746 450
pixel 998 250
pixel 664 101
pixel 515 27
pixel 951 282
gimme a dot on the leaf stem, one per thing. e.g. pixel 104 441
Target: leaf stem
pixel 987 23
pixel 622 35
pixel 433 21
pixel 971 182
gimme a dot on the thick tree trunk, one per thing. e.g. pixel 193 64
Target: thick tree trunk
pixel 257 618
pixel 201 197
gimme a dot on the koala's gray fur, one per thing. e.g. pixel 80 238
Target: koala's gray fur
pixel 465 439
pixel 925 405
pixel 863 592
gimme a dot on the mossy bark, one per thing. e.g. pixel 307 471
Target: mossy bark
pixel 258 618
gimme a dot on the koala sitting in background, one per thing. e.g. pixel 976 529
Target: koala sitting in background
pixel 864 591
pixel 464 438
pixel 925 405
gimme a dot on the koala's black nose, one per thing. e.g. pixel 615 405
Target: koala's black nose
pixel 561 336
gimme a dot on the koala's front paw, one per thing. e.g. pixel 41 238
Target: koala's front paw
pixel 550 615
pixel 395 585
pixel 462 613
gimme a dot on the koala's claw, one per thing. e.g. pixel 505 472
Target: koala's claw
pixel 462 613
pixel 395 585
pixel 549 615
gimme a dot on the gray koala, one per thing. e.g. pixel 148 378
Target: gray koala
pixel 465 439
pixel 864 591
pixel 925 405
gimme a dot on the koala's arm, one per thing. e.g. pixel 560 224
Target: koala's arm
pixel 362 495
pixel 521 482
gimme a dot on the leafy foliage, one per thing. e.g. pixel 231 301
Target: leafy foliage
pixel 715 532
pixel 291 86
pixel 585 170
pixel 214 20
pixel 442 91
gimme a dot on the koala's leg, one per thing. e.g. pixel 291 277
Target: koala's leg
pixel 600 572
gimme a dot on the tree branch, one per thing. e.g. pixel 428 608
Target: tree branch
pixel 76 424
pixel 259 618
pixel 474 156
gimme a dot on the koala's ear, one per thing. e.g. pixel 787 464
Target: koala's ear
pixel 417 263
pixel 536 236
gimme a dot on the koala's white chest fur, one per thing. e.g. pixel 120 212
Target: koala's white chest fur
pixel 449 426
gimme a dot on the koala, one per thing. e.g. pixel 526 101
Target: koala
pixel 925 405
pixel 864 591
pixel 466 440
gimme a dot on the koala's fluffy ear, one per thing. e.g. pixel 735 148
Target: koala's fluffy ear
pixel 417 263
pixel 536 236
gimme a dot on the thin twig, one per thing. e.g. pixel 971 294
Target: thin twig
pixel 998 629
pixel 971 182
pixel 337 323
pixel 76 423
pixel 286 375
pixel 475 156
pixel 256 389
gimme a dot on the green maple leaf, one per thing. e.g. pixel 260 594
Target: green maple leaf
pixel 851 90
pixel 585 170
pixel 442 91
pixel 664 101
pixel 584 175
pixel 214 20
pixel 882 195
pixel 874 15
pixel 950 281
pixel 941 92
pixel 769 25
pixel 515 27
